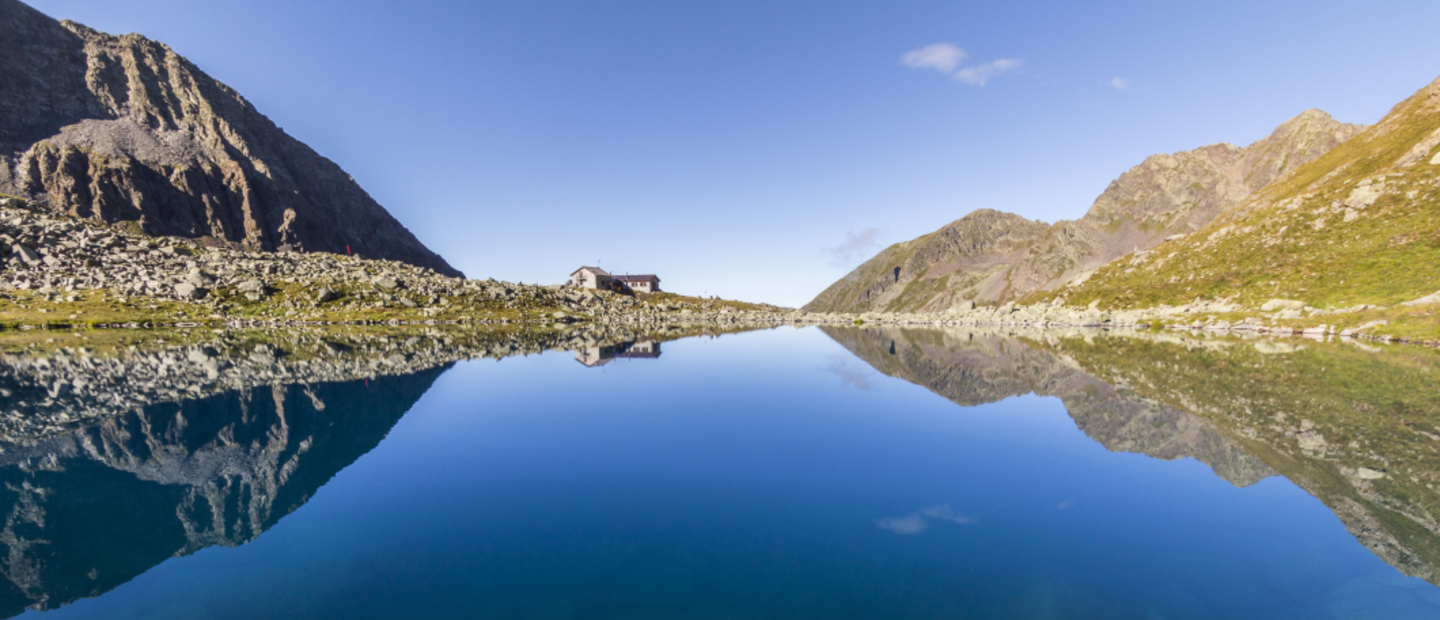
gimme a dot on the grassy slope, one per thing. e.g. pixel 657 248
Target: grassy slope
pixel 1292 241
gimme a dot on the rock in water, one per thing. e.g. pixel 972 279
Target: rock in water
pixel 122 128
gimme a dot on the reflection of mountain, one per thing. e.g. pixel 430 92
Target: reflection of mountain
pixel 114 459
pixel 64 388
pixel 976 367
pixel 1358 429
pixel 88 511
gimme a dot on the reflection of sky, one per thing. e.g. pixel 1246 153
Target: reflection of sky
pixel 735 480
pixel 851 371
pixel 917 522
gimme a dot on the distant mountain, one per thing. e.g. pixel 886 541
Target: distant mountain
pixel 990 257
pixel 1357 226
pixel 123 129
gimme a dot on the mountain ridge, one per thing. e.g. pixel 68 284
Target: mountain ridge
pixel 991 257
pixel 1357 227
pixel 123 129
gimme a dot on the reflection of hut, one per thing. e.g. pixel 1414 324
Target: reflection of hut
pixel 644 349
pixel 600 356
pixel 595 356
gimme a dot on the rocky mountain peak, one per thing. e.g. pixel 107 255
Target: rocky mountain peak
pixel 121 128
pixel 1166 195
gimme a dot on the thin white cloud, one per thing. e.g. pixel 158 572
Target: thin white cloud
pixel 978 75
pixel 1120 83
pixel 856 246
pixel 942 57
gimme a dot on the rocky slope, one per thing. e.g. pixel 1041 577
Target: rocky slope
pixel 989 257
pixel 59 269
pixel 123 129
pixel 1360 226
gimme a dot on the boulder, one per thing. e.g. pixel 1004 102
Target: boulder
pixel 1282 304
pixel 198 278
pixel 25 253
pixel 189 292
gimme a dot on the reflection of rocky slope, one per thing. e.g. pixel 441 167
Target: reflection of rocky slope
pixel 975 367
pixel 113 463
pixel 88 511
pixel 45 393
pixel 1359 429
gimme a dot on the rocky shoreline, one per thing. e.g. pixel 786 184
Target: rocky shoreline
pixel 63 272
pixel 54 388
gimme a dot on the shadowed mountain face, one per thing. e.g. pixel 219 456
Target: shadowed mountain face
pixel 88 511
pixel 994 257
pixel 1356 428
pixel 121 128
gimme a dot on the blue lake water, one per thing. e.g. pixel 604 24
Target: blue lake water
pixel 770 474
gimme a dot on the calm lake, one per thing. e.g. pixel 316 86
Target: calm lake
pixel 788 473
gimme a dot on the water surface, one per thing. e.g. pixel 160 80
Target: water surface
pixel 837 473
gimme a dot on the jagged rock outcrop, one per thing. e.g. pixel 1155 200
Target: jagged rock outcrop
pixel 990 257
pixel 123 129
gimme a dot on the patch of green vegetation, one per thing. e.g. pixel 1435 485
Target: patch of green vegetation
pixel 663 298
pixel 1299 239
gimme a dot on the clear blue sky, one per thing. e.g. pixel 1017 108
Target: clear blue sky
pixel 733 146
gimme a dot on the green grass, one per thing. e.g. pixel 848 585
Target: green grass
pixel 1292 242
